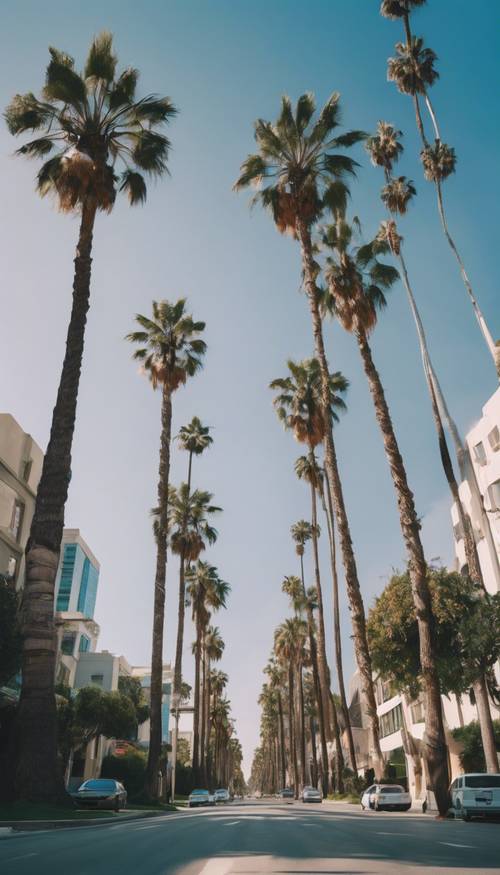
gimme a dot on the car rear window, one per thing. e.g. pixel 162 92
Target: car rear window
pixel 199 793
pixel 99 785
pixel 392 790
pixel 481 781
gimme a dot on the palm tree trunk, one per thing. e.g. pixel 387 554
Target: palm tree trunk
pixel 314 754
pixel 435 742
pixel 282 751
pixel 336 625
pixel 156 693
pixel 317 685
pixel 203 758
pixel 37 775
pixel 196 714
pixel 181 610
pixel 302 728
pixel 486 725
pixel 358 618
pixel 293 740
pixel 324 671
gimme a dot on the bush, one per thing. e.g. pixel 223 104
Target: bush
pixel 472 756
pixel 353 784
pixel 129 769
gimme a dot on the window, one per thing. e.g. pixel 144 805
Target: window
pixel 385 691
pixel 68 566
pixel 480 453
pixel 84 644
pixel 11 568
pixel 97 679
pixel 88 589
pixel 458 532
pixel 494 439
pixel 68 643
pixel 494 494
pixel 17 519
pixel 27 470
pixel 391 722
pixel 482 781
pixel 417 712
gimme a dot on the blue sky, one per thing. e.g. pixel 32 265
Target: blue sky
pixel 224 64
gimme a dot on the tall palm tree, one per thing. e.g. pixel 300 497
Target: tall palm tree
pixel 206 592
pixel 310 702
pixel 385 148
pixel 171 350
pixel 304 174
pixel 413 70
pixel 190 531
pixel 357 282
pixel 288 643
pixel 213 649
pixel 276 683
pixel 89 123
pixel 194 438
pixel 299 407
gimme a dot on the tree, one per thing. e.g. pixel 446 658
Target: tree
pixel 299 406
pixel 357 283
pixel 472 756
pixel 289 643
pixel 10 634
pixel 131 687
pixel 466 635
pixel 385 148
pixel 304 174
pixel 183 752
pixel 207 592
pixel 213 649
pixel 89 123
pixel 170 350
pixel 413 70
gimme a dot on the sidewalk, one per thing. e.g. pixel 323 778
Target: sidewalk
pixel 9 827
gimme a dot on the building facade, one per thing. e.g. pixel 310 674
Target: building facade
pixel 143 673
pixel 77 576
pixel 21 461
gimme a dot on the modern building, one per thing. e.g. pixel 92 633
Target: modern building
pixel 77 576
pixel 483 504
pixel 21 461
pixel 76 636
pixel 144 675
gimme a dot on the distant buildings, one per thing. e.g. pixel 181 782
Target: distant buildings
pixel 143 673
pixel 21 461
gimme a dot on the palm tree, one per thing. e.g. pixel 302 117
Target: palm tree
pixel 194 438
pixel 296 159
pixel 413 71
pixel 206 592
pixel 299 407
pixel 289 641
pixel 213 650
pixel 276 682
pixel 376 146
pixel 90 122
pixel 170 350
pixel 190 531
pixel 357 282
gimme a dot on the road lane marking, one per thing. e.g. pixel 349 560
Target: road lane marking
pixel 233 823
pixel 151 826
pixel 453 845
pixel 396 834
pixel 22 857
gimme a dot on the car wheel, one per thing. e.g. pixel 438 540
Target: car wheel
pixel 117 806
pixel 406 807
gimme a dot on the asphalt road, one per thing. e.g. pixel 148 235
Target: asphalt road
pixel 261 838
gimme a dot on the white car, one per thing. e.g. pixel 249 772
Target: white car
pixel 222 796
pixel 311 794
pixel 391 797
pixel 475 795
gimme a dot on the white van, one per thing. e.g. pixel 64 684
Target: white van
pixel 476 795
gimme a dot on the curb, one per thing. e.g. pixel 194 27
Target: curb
pixel 37 825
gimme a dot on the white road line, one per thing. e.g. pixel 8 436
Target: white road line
pixel 394 834
pixel 151 826
pixel 233 823
pixel 453 845
pixel 22 857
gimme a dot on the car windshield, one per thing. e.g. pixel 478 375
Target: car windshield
pixel 199 793
pixel 392 790
pixel 481 781
pixel 98 785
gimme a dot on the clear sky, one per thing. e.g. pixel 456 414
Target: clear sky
pixel 224 63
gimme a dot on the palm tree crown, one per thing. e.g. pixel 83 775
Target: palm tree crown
pixel 206 589
pixel 399 8
pixel 296 159
pixel 307 468
pixel 188 525
pixel 357 280
pixel 301 532
pixel 384 147
pixel 298 402
pixel 168 344
pixel 413 69
pixel 194 437
pixel 96 126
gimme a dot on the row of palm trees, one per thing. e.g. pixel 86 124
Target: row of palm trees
pixel 301 179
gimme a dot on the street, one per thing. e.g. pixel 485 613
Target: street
pixel 268 836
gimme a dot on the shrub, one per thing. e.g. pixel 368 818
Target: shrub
pixel 129 769
pixel 472 756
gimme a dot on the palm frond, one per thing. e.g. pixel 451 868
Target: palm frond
pixel 101 62
pixel 134 185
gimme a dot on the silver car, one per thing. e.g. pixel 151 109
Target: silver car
pixel 101 793
pixel 311 794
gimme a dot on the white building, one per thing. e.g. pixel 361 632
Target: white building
pixel 483 441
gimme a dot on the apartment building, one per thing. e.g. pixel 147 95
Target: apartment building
pixel 21 461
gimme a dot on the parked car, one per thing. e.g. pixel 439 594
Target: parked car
pixel 101 793
pixel 475 795
pixel 198 797
pixel 311 794
pixel 222 796
pixel 287 794
pixel 391 797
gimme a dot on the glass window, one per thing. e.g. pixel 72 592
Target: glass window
pixel 68 566
pixel 12 568
pixel 68 643
pixel 17 520
pixel 100 784
pixel 97 679
pixel 458 531
pixel 88 589
pixel 494 439
pixel 391 722
pixel 494 493
pixel 480 453
pixel 84 644
pixel 482 781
